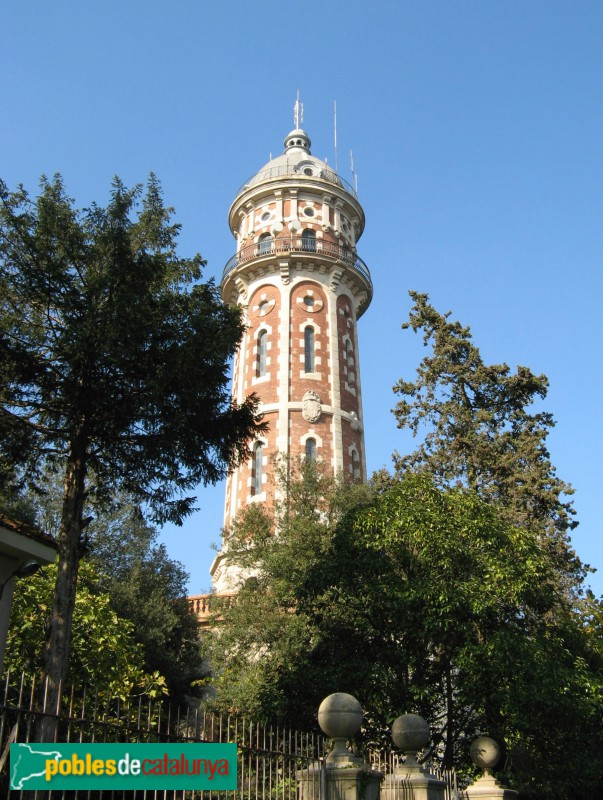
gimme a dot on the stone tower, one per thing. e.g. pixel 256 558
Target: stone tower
pixel 303 286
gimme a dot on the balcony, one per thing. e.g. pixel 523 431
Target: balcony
pixel 298 245
pixel 205 607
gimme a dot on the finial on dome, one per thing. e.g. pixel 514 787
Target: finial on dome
pixel 298 139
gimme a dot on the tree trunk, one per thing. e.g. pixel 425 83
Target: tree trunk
pixel 58 640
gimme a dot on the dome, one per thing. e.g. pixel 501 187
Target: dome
pixel 297 160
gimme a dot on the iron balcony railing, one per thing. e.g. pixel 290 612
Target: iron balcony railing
pixel 298 171
pixel 297 244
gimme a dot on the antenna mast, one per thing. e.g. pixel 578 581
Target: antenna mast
pixel 335 129
pixel 354 176
pixel 298 112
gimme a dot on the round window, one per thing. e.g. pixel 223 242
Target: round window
pixel 265 216
pixel 308 171
pixel 308 301
pixel 309 212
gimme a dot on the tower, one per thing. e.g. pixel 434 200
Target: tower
pixel 303 286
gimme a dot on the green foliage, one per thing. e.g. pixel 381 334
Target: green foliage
pixel 144 585
pixel 480 433
pixel 113 366
pixel 269 656
pixel 481 429
pixel 104 652
pixel 15 505
pixel 415 599
pixel 108 339
pixel 494 645
pixel 148 588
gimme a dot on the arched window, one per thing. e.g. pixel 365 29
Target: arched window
pixel 309 240
pixel 262 346
pixel 265 243
pixel 256 469
pixel 311 450
pixel 309 360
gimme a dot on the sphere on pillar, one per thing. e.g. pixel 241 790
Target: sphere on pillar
pixel 410 733
pixel 485 753
pixel 297 274
pixel 340 715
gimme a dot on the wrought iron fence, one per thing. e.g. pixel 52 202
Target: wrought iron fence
pixel 271 760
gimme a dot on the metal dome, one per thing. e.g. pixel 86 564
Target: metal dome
pixel 297 160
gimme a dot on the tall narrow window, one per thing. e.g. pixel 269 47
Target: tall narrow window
pixel 262 346
pixel 311 450
pixel 355 465
pixel 309 349
pixel 309 240
pixel 256 469
pixel 265 243
pixel 349 360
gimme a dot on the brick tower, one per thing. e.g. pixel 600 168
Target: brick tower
pixel 303 286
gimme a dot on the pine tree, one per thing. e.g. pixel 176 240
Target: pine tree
pixel 481 432
pixel 113 364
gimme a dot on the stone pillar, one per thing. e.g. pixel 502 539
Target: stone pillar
pixel 485 753
pixel 343 775
pixel 410 733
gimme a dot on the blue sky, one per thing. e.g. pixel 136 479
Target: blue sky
pixel 477 132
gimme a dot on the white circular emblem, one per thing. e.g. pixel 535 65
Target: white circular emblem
pixel 311 408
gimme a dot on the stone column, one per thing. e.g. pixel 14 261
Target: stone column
pixel 410 733
pixel 485 753
pixel 343 775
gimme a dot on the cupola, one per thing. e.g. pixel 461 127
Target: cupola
pixel 296 141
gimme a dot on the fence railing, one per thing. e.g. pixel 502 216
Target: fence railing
pixel 270 759
pixel 272 763
pixel 298 244
pixel 387 761
pixel 205 606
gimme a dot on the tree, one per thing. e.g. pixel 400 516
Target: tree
pixel 481 433
pixel 104 653
pixel 148 588
pixel 493 644
pixel 414 599
pixel 113 365
pixel 274 658
pixel 145 586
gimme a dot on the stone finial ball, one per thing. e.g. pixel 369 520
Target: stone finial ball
pixel 340 715
pixel 410 733
pixel 485 752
